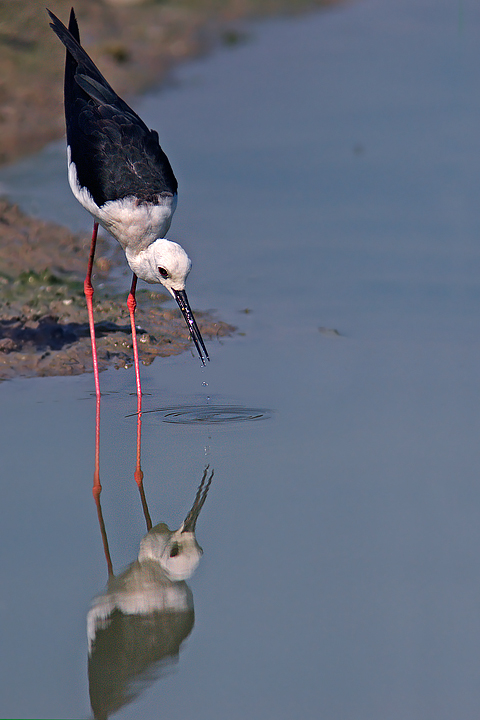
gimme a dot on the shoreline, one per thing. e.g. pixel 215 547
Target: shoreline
pixel 135 43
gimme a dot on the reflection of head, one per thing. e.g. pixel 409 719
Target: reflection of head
pixel 177 552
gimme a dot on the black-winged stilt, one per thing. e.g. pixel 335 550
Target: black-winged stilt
pixel 120 174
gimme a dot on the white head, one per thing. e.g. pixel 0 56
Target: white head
pixel 167 263
pixel 164 262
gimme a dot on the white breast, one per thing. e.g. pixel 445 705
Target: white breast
pixel 134 224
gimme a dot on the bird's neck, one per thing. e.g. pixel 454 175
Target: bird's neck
pixel 141 263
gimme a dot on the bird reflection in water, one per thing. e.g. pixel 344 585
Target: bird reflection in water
pixel 136 627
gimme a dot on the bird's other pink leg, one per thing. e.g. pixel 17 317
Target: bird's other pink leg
pixel 88 290
pixel 132 304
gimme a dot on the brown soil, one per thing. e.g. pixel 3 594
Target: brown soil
pixel 43 319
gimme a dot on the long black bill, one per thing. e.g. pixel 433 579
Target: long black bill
pixel 183 304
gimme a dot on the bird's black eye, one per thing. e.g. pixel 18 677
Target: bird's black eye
pixel 163 273
pixel 175 550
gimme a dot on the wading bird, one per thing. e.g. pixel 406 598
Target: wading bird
pixel 120 174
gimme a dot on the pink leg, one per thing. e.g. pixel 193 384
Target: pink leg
pixel 88 290
pixel 132 304
pixel 138 474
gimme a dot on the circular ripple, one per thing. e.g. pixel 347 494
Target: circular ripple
pixel 212 414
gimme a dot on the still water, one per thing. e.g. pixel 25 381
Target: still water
pixel 329 181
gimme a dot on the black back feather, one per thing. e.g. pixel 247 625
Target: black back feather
pixel 114 152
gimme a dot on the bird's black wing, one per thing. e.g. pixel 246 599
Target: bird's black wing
pixel 114 152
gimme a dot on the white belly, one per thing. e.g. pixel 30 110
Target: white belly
pixel 136 225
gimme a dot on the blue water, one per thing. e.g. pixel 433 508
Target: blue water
pixel 329 178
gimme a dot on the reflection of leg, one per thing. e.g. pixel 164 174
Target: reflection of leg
pixel 138 466
pixel 97 489
pixel 132 304
pixel 88 290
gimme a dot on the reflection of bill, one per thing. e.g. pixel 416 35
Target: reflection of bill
pixel 135 628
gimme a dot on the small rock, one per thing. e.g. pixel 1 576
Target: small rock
pixel 8 345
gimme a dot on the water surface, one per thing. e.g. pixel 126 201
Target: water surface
pixel 329 179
